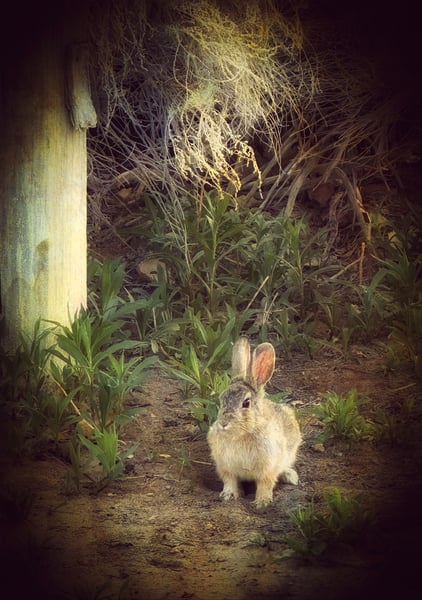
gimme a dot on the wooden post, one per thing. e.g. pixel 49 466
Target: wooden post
pixel 43 247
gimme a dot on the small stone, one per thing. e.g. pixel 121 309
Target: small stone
pixel 318 448
pixel 150 268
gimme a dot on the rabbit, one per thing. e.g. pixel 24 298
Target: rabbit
pixel 253 439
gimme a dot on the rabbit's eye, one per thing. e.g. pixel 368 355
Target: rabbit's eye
pixel 246 403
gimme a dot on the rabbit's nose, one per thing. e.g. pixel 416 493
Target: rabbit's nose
pixel 224 423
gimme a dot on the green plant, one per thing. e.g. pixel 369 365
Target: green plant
pixel 264 254
pixel 205 409
pixel 202 244
pixel 342 520
pixel 341 417
pixel 347 519
pixel 76 470
pixel 50 414
pixel 124 374
pixel 405 340
pixel 403 276
pixel 110 303
pixel 291 334
pixel 96 368
pixel 311 527
pixel 395 427
pixel 205 379
pixel 86 344
pixel 25 372
pixel 37 406
pixel 216 239
pixel 332 310
pixel 155 310
pixel 201 361
pixel 267 269
pixel 307 266
pixel 106 281
pixel 367 317
pixel 76 374
pixel 287 266
pixel 105 449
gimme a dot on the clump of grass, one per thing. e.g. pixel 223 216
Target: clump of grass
pixel 201 361
pixel 404 346
pixel 105 449
pixel 342 420
pixel 342 520
pixel 394 428
pixel 341 417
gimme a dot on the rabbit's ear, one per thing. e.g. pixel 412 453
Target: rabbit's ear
pixel 263 362
pixel 241 358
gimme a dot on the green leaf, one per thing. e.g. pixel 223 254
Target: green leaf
pixel 218 353
pixel 125 345
pixel 71 350
pixel 194 363
pixel 180 374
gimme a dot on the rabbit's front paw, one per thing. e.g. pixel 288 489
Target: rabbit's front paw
pixel 262 502
pixel 230 491
pixel 264 493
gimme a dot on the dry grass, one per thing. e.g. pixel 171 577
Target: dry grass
pixel 185 96
pixel 234 96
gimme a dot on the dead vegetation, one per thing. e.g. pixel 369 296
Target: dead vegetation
pixel 258 99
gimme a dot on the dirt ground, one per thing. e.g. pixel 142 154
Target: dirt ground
pixel 163 532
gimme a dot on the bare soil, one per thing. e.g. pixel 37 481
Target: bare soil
pixel 163 532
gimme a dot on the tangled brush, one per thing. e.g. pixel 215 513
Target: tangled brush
pixel 186 91
pixel 242 97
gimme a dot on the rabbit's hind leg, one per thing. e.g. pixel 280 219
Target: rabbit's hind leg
pixel 290 476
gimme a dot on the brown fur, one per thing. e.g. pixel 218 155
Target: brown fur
pixel 253 439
